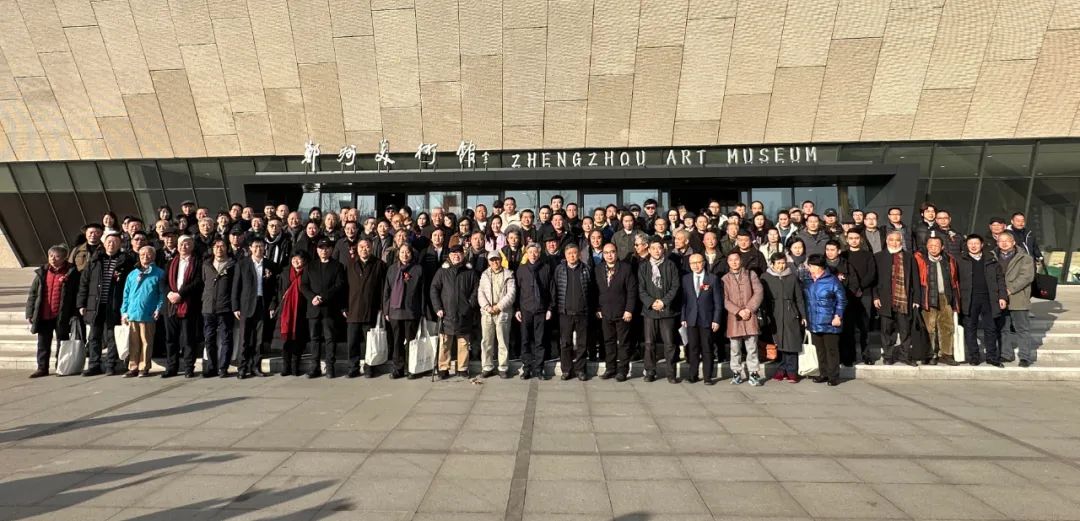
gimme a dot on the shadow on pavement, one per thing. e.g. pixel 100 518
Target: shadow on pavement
pixel 37 430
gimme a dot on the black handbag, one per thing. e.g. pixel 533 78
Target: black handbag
pixel 1044 286
pixel 919 341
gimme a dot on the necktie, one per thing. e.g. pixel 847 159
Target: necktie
pixel 697 285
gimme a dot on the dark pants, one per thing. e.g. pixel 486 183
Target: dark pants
pixel 218 339
pixel 572 352
pixel 256 332
pixel 45 330
pixel 699 347
pixel 854 343
pixel 322 342
pixel 665 327
pixel 181 337
pixel 356 337
pixel 893 326
pixel 789 363
pixel 616 348
pixel 292 351
pixel 532 342
pixel 828 354
pixel 400 333
pixel 981 318
pixel 101 331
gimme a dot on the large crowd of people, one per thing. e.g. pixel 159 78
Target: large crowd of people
pixel 616 284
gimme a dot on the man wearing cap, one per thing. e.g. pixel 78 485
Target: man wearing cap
pixel 184 285
pixel 389 211
pixel 237 242
pixel 833 227
pixel 187 209
pixel 453 297
pixel 496 299
pixel 254 287
pixel 167 251
pixel 83 253
pixel 323 285
pixel 650 216
pixel 101 292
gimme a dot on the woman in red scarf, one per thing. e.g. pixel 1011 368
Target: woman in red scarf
pixel 291 311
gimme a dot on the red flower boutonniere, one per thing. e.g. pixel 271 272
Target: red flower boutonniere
pixel 705 287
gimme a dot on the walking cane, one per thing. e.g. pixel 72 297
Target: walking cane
pixel 435 349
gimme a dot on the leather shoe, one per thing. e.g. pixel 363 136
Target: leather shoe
pixel 525 375
pixel 1025 363
pixel 649 377
pixel 910 363
pixel 39 373
pixel 868 362
pixel 117 372
pixel 369 372
pixel 209 374
pixel 93 371
pixel 948 360
pixel 189 374
pixel 672 379
pixel 932 361
pixel 833 383
pixel 566 376
pixel 330 374
pixel 396 374
pixel 620 377
pixel 353 373
pixel 488 374
pixel 607 375
pixel 583 377
pixel 820 379
pixel 412 376
pixel 259 372
pixel 131 374
pixel 168 374
pixel 443 375
pixel 997 364
pixel 314 374
pixel 504 375
pixel 692 380
pixel 241 375
pixel 710 381
pixel 224 374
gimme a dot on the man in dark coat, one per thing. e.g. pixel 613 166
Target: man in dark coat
pixel 658 290
pixel 574 298
pixel 217 309
pixel 323 286
pixel 184 284
pixel 345 248
pixel 101 292
pixel 896 298
pixel 983 299
pixel 617 295
pixel 51 304
pixel 431 259
pixel 703 305
pixel 862 270
pixel 253 293
pixel 278 244
pixel 366 275
pixel 454 299
pixel 534 306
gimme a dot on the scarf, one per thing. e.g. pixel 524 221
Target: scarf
pixel 655 264
pixel 290 304
pixel 796 260
pixel 397 292
pixel 899 285
pixel 786 272
pixel 174 270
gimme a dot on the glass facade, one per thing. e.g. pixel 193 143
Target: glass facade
pixel 46 203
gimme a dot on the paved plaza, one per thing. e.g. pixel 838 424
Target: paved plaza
pixel 298 449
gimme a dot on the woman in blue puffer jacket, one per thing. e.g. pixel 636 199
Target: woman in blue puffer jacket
pixel 825 303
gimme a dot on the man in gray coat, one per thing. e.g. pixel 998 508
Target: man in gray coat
pixel 1019 272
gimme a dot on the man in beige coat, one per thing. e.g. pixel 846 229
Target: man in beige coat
pixel 496 298
pixel 743 295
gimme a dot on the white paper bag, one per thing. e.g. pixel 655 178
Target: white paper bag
pixel 808 361
pixel 72 356
pixel 422 349
pixel 376 346
pixel 959 353
pixel 122 335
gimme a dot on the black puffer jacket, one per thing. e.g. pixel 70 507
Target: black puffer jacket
pixel 90 286
pixel 534 289
pixel 562 273
pixel 454 292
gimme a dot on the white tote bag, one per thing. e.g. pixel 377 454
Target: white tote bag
pixel 376 345
pixel 122 335
pixel 808 362
pixel 959 353
pixel 72 353
pixel 422 349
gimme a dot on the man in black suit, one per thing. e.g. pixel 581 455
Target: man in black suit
pixel 101 292
pixel 323 286
pixel 254 286
pixel 366 275
pixel 617 292
pixel 896 297
pixel 701 313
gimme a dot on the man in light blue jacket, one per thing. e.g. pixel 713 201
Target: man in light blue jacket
pixel 143 298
